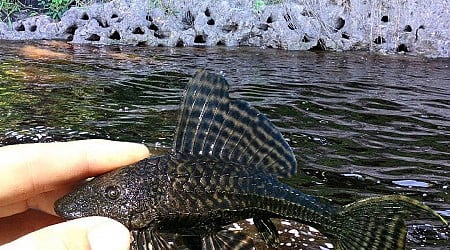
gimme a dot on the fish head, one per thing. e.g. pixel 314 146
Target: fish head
pixel 120 194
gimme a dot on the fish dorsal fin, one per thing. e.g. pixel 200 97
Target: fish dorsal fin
pixel 210 124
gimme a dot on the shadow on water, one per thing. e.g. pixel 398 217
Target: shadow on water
pixel 360 124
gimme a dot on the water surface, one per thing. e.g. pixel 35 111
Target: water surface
pixel 360 124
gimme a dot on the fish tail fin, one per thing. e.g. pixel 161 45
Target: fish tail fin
pixel 376 223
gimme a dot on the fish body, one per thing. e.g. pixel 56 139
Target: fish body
pixel 224 167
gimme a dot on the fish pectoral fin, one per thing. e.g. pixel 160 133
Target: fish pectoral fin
pixel 148 240
pixel 227 240
pixel 267 231
pixel 187 241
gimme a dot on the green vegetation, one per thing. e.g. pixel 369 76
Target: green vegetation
pixel 7 9
pixel 260 5
pixel 166 6
pixel 56 8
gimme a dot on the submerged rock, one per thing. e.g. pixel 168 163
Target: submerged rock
pixel 414 27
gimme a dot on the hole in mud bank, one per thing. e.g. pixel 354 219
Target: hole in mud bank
pixel 102 24
pixel 93 38
pixel 207 12
pixel 307 13
pixel 84 16
pixel 115 35
pixel 71 29
pixel 153 27
pixel 160 34
pixel 160 45
pixel 345 36
pixel 230 27
pixel 407 28
pixel 263 26
pixel 20 27
pixel 402 48
pixel 142 44
pixel 149 18
pixel 180 43
pixel 288 19
pixel 339 24
pixel 306 39
pixel 320 46
pixel 292 26
pixel 379 40
pixel 385 19
pixel 211 22
pixel 221 43
pixel 138 31
pixel 69 38
pixel 188 18
pixel 269 19
pixel 114 16
pixel 200 39
pixel 33 28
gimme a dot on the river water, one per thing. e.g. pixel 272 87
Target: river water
pixel 360 124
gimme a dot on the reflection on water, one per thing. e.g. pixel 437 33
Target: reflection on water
pixel 360 124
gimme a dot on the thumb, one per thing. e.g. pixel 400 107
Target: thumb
pixel 96 233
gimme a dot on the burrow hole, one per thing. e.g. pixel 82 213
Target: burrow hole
pixel 220 43
pixel 71 29
pixel 115 35
pixel 339 23
pixel 402 48
pixel 138 31
pixel 93 38
pixel 20 27
pixel 407 28
pixel 180 43
pixel 84 16
pixel 153 27
pixel 200 39
pixel 379 40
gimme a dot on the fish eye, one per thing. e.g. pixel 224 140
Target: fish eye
pixel 112 192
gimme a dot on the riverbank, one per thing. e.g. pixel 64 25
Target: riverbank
pixel 411 27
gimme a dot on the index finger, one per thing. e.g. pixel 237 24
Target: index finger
pixel 30 169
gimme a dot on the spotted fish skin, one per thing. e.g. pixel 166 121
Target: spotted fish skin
pixel 224 167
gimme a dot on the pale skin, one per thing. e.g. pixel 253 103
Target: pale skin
pixel 34 176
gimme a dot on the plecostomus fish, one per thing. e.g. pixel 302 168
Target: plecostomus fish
pixel 223 168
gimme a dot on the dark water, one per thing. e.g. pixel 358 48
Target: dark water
pixel 360 124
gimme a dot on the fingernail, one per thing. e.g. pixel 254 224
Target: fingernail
pixel 109 235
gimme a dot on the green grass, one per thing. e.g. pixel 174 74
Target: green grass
pixel 56 8
pixel 7 9
pixel 53 8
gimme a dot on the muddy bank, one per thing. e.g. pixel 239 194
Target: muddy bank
pixel 412 27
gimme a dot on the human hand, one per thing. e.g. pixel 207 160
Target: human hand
pixel 34 176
